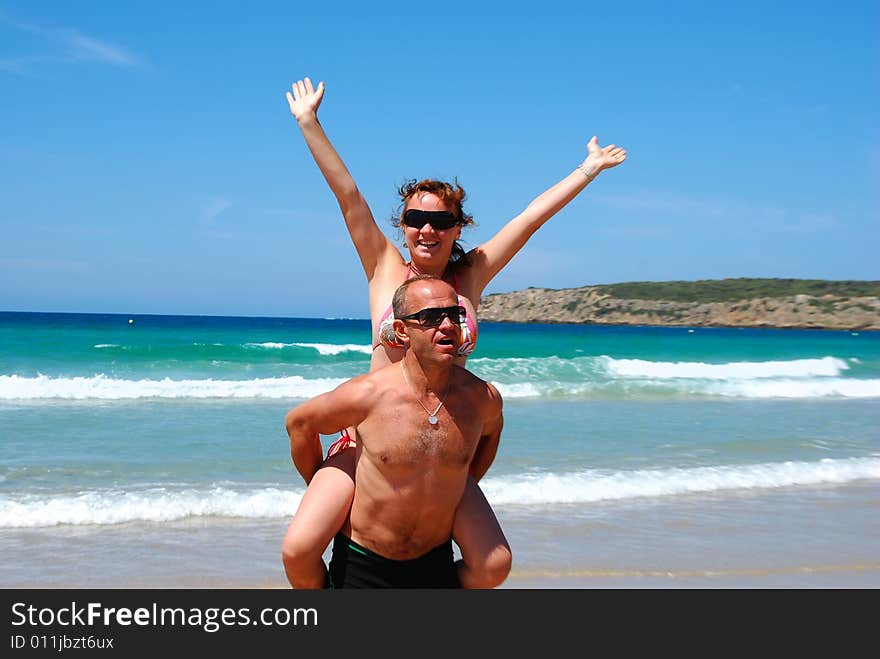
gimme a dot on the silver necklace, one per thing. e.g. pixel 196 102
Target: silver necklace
pixel 432 416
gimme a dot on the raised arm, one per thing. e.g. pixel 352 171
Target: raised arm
pixel 369 241
pixel 489 258
pixel 344 407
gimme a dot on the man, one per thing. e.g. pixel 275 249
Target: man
pixel 424 426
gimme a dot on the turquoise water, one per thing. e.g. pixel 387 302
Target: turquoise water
pixel 171 428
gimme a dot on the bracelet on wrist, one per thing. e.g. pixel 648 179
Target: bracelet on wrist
pixel 586 172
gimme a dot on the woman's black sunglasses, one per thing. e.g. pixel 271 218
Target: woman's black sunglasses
pixel 440 220
pixel 433 316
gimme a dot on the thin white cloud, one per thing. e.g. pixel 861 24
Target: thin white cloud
pixel 19 64
pixel 82 47
pixel 65 45
pixel 215 207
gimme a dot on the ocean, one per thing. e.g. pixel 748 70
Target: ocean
pixel 149 451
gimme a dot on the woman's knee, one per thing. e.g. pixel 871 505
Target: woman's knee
pixel 299 548
pixel 495 566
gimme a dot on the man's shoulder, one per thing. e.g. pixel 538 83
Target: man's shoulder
pixel 374 382
pixel 479 385
pixel 362 385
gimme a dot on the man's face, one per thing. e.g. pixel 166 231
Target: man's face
pixel 433 343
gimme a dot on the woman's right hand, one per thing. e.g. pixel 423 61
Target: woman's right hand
pixel 305 99
pixel 371 244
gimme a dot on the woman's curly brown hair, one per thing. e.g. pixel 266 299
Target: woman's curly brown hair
pixel 451 194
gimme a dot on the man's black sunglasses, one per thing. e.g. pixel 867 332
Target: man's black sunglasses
pixel 440 220
pixel 433 316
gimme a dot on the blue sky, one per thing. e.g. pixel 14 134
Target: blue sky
pixel 149 162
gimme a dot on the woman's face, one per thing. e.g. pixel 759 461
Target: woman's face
pixel 429 245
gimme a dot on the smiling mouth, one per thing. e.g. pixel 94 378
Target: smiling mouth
pixel 427 244
pixel 446 342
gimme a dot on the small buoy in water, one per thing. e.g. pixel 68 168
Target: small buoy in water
pixel 131 321
pixel 690 331
pixel 855 333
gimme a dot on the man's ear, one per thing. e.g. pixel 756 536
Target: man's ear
pixel 400 332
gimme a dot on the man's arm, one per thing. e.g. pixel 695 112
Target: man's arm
pixel 490 436
pixel 344 407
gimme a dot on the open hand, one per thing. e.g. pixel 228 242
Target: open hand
pixel 305 99
pixel 603 157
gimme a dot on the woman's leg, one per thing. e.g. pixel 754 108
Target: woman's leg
pixel 485 555
pixel 321 513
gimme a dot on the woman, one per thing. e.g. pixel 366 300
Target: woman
pixel 431 220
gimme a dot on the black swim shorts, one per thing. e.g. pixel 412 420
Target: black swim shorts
pixel 354 566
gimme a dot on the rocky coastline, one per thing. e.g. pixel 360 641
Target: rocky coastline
pixel 595 305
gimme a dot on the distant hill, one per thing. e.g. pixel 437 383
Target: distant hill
pixel 743 302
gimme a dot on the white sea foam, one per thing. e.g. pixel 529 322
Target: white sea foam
pixel 100 387
pixel 106 345
pixel 322 348
pixel 832 388
pixel 554 377
pixel 762 389
pixel 519 390
pixel 152 505
pixel 605 367
pixel 104 507
pixel 588 486
pixel 515 377
pixel 333 349
pixel 826 366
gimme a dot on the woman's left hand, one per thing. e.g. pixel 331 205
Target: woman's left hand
pixel 603 157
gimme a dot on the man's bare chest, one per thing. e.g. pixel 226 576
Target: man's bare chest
pixel 402 434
